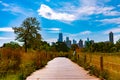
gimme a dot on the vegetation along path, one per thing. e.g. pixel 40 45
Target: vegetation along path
pixel 61 68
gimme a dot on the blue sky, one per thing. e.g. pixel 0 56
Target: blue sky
pixel 76 19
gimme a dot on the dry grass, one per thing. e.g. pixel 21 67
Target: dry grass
pixel 111 62
pixel 18 64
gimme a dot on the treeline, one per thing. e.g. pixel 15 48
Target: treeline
pixel 104 47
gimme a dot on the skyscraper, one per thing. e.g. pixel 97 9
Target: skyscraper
pixel 68 42
pixel 80 44
pixel 74 41
pixel 60 39
pixel 111 37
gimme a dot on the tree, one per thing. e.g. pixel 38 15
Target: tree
pixel 103 47
pixel 12 44
pixel 44 46
pixel 60 46
pixel 28 32
pixel 74 47
pixel 118 45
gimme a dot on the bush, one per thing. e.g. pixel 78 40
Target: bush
pixel 104 75
pixel 101 74
pixel 9 61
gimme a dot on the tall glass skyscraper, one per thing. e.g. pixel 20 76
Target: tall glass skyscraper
pixel 68 42
pixel 111 37
pixel 60 39
pixel 80 44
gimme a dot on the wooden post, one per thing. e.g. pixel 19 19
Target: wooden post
pixel 85 59
pixel 101 63
pixel 78 56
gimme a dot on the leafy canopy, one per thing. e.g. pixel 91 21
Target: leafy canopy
pixel 28 32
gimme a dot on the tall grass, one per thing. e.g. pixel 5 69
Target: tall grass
pixel 111 64
pixel 15 64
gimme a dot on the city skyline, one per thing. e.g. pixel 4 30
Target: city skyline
pixel 77 19
pixel 82 43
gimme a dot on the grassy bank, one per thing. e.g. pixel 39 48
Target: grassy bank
pixel 92 62
pixel 15 64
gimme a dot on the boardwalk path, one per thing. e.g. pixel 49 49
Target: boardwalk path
pixel 61 68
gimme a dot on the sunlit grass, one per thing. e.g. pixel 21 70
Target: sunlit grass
pixel 17 65
pixel 111 62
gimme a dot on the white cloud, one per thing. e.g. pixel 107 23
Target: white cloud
pixel 5 40
pixel 110 21
pixel 4 4
pixel 69 12
pixel 114 30
pixel 15 9
pixel 107 11
pixel 85 32
pixel 48 13
pixel 52 29
pixel 79 34
pixel 95 10
pixel 6 29
pixel 88 2
pixel 118 5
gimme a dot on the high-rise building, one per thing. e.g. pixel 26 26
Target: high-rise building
pixel 80 44
pixel 74 41
pixel 68 42
pixel 60 39
pixel 111 37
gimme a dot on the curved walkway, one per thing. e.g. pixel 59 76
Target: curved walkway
pixel 61 68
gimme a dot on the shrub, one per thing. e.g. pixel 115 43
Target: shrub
pixel 10 60
pixel 94 71
pixel 104 75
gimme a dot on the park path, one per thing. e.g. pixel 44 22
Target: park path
pixel 61 68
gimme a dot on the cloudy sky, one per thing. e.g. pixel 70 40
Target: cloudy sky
pixel 77 19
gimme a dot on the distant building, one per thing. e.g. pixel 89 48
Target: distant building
pixel 60 39
pixel 74 41
pixel 86 42
pixel 92 41
pixel 80 44
pixel 68 42
pixel 111 37
pixel 53 43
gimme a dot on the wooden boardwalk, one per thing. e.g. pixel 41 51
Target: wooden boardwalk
pixel 61 68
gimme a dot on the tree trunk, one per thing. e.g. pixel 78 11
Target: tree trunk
pixel 25 45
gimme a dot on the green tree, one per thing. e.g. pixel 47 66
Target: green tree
pixel 28 32
pixel 12 44
pixel 44 46
pixel 60 47
pixel 118 45
pixel 74 47
pixel 103 47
